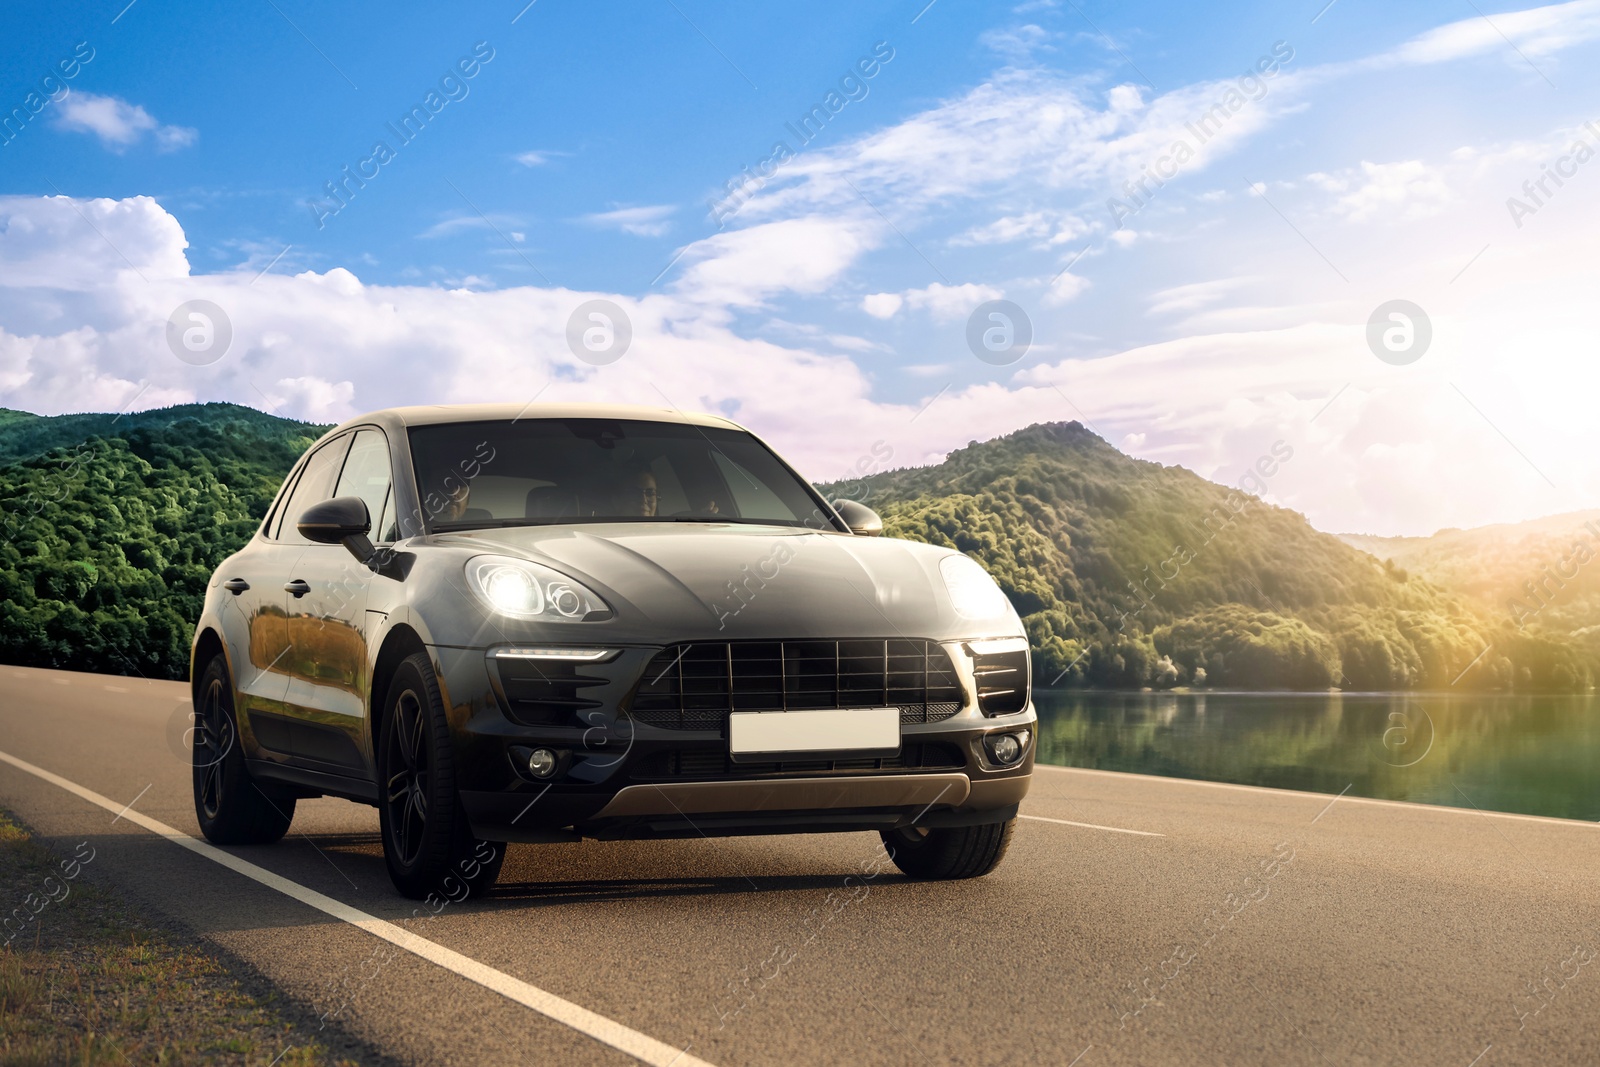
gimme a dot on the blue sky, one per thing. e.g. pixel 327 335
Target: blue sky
pixel 1197 322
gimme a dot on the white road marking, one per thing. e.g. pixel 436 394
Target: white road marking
pixel 1409 805
pixel 1092 826
pixel 607 1032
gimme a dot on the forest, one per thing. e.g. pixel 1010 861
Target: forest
pixel 1127 573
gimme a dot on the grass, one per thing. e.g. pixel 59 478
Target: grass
pixel 85 982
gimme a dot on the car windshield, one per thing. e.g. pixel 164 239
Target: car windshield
pixel 544 471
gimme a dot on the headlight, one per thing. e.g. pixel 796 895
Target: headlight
pixel 974 594
pixel 526 590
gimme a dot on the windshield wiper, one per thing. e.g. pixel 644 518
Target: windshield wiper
pixel 491 524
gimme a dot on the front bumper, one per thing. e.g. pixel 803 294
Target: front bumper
pixel 622 778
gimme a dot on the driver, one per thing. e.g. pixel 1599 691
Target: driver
pixel 636 493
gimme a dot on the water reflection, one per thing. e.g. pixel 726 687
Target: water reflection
pixel 1538 755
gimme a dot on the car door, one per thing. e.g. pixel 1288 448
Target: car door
pixel 254 617
pixel 327 624
pixel 253 622
pixel 273 719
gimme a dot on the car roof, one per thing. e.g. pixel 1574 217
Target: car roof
pixel 432 414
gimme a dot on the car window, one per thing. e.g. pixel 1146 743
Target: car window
pixel 316 483
pixel 752 498
pixel 387 530
pixel 366 475
pixel 602 470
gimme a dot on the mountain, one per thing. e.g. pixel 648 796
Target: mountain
pixel 1540 574
pixel 1127 573
pixel 24 435
pixel 111 526
pixel 1131 573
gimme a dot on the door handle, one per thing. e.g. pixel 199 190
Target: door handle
pixel 236 585
pixel 298 587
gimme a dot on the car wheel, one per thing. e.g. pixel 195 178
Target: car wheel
pixel 231 807
pixel 952 852
pixel 427 844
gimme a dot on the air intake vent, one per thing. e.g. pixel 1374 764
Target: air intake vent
pixel 545 692
pixel 694 687
pixel 1002 680
pixel 666 766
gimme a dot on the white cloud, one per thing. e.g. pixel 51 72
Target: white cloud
pixel 649 221
pixel 1018 44
pixel 945 303
pixel 1064 288
pixel 1408 189
pixel 1196 295
pixel 495 224
pixel 81 245
pixel 742 268
pixel 1049 227
pixel 533 159
pixel 882 305
pixel 1398 450
pixel 118 123
pixel 1538 31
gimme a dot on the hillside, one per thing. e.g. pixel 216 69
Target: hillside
pixel 1538 574
pixel 1129 573
pixel 24 435
pixel 111 528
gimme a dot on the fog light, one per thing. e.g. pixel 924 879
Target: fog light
pixel 1005 749
pixel 542 763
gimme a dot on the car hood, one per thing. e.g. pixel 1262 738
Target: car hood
pixel 704 581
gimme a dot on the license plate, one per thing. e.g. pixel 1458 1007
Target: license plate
pixel 862 731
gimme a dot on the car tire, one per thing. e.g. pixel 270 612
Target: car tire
pixel 233 809
pixel 427 843
pixel 949 852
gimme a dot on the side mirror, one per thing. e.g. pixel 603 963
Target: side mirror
pixel 862 520
pixel 341 521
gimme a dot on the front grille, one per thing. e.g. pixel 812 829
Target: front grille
pixel 710 763
pixel 545 692
pixel 694 687
pixel 1002 679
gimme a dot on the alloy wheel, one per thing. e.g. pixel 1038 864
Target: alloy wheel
pixel 213 739
pixel 407 788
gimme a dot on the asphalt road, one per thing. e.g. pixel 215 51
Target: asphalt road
pixel 1238 925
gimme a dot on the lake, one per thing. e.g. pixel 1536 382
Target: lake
pixel 1538 755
